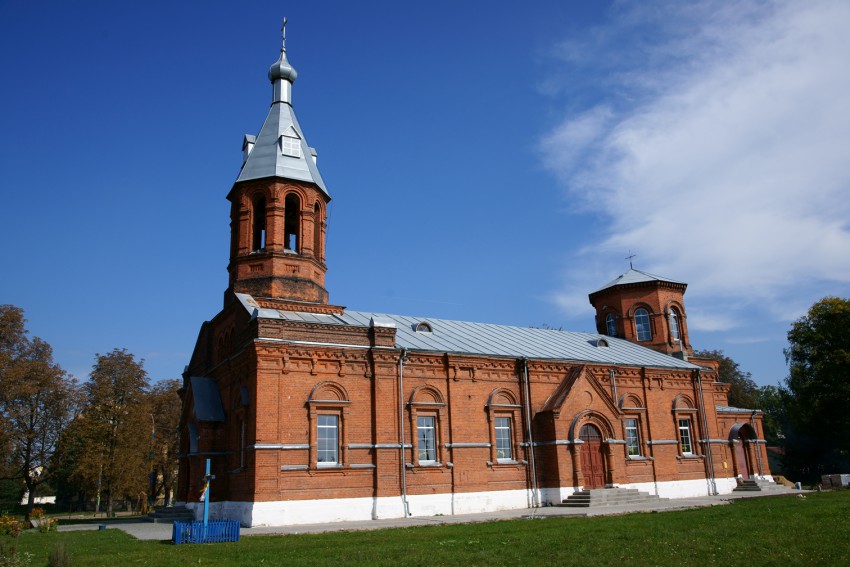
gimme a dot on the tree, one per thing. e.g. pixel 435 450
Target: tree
pixel 818 382
pixel 743 391
pixel 115 427
pixel 12 344
pixel 38 400
pixel 165 409
pixel 772 402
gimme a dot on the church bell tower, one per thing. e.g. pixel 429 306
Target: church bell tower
pixel 645 309
pixel 279 206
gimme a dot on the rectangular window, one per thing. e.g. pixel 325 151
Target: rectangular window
pixel 328 440
pixel 290 146
pixel 504 449
pixel 685 436
pixel 427 436
pixel 632 437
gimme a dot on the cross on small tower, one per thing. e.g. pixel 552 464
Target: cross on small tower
pixel 629 258
pixel 283 34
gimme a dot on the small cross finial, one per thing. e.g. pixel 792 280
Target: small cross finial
pixel 283 33
pixel 629 258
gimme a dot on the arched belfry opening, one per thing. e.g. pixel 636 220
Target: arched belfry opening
pixel 317 233
pixel 258 232
pixel 292 223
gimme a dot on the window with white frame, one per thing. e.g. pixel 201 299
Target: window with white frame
pixel 611 325
pixel 674 324
pixel 290 143
pixel 426 428
pixel 644 332
pixel 504 439
pixel 328 440
pixel 632 437
pixel 685 436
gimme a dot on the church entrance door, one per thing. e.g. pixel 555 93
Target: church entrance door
pixel 742 458
pixel 592 458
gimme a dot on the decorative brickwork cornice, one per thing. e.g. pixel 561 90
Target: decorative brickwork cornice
pixel 298 306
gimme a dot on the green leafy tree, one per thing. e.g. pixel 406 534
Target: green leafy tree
pixel 38 401
pixel 743 391
pixel 114 428
pixel 818 385
pixel 773 401
pixel 165 409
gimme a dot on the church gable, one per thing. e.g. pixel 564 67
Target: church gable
pixel 578 390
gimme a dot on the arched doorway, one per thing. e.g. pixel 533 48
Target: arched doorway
pixel 741 436
pixel 592 458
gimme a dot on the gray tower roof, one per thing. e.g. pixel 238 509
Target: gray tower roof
pixel 636 276
pixel 268 158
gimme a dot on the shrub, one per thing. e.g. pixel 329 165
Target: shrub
pixel 59 557
pixel 10 526
pixel 47 525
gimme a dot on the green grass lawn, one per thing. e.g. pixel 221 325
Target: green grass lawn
pixel 761 531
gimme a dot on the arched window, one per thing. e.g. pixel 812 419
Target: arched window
pixel 328 406
pixel 292 223
pixel 258 239
pixel 317 232
pixel 611 325
pixel 674 325
pixel 427 409
pixel 504 413
pixel 644 333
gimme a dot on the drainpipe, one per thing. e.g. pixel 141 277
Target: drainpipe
pixel 535 496
pixel 711 479
pixel 614 385
pixel 758 449
pixel 402 464
pixel 643 381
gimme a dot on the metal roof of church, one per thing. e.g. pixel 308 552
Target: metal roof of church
pixel 635 276
pixel 207 400
pixel 487 339
pixel 731 409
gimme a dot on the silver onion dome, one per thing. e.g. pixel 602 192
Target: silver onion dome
pixel 281 69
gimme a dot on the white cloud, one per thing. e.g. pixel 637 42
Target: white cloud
pixel 721 153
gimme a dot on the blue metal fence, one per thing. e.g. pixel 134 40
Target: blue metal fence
pixel 214 532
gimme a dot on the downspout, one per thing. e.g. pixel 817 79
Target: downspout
pixel 643 381
pixel 535 498
pixel 402 464
pixel 758 449
pixel 712 482
pixel 614 385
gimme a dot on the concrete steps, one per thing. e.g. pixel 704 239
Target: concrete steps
pixel 599 497
pixel 758 485
pixel 171 514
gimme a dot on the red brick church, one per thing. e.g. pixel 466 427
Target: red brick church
pixel 311 412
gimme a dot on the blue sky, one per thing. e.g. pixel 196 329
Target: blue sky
pixel 491 162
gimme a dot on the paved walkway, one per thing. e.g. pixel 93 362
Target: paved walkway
pixel 162 531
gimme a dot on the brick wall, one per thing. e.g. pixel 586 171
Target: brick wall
pixel 290 385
